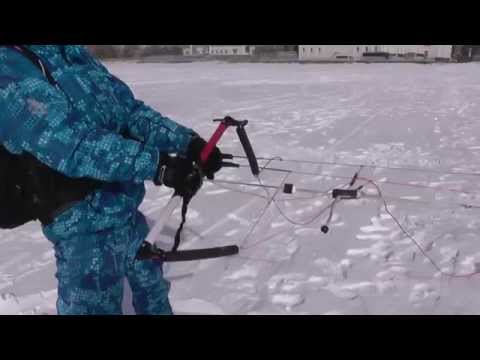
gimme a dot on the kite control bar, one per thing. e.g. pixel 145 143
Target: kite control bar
pixel 242 135
pixel 149 250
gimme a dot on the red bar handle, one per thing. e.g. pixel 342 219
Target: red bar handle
pixel 208 148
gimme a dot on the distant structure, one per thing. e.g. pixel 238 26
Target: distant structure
pixel 196 50
pixel 465 53
pixel 275 49
pixel 231 50
pixel 219 50
pixel 374 53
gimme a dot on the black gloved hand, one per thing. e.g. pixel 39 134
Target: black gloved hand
pixel 178 173
pixel 214 162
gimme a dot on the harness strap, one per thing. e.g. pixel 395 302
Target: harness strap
pixel 186 201
pixel 44 182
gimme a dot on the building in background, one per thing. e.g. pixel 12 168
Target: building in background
pixel 196 50
pixel 465 53
pixel 274 49
pixel 439 52
pixel 218 50
pixel 294 53
pixel 340 53
pixel 352 53
pixel 231 50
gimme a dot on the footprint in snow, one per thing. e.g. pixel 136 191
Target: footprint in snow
pixel 286 282
pixel 332 269
pixel 423 295
pixel 196 306
pixel 288 301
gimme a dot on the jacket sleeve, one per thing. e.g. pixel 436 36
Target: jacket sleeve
pixel 150 126
pixel 37 118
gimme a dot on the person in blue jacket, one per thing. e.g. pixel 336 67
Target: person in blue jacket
pixel 88 124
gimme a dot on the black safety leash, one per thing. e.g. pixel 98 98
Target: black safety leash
pixel 185 202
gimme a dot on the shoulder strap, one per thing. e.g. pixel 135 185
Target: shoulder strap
pixel 35 59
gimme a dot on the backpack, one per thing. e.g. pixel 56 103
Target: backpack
pixel 29 190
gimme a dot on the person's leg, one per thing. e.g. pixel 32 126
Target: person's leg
pixel 90 271
pixel 149 288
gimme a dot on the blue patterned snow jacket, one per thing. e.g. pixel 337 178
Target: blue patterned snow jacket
pixel 90 125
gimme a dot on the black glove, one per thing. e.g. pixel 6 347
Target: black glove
pixel 214 162
pixel 178 173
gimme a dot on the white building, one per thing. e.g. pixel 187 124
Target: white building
pixel 329 52
pixel 439 52
pixel 427 52
pixel 342 53
pixel 231 50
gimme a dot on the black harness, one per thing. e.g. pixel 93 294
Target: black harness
pixel 49 191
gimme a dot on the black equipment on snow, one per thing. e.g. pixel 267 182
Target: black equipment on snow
pixel 30 190
pixel 345 194
pixel 342 194
pixel 149 251
pixel 288 188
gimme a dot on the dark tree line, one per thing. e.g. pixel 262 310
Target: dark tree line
pixel 139 51
pixel 135 51
pixel 464 53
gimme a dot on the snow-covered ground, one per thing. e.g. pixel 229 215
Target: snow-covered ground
pixel 391 115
